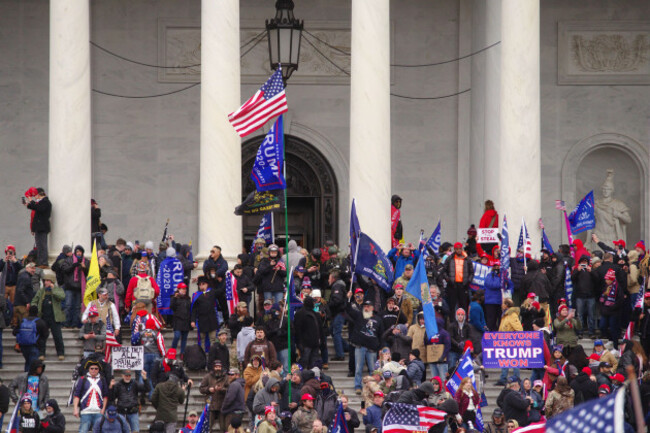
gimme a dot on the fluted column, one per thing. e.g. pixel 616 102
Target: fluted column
pixel 220 151
pixel 370 175
pixel 69 148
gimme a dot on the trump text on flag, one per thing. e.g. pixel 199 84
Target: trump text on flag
pixel 513 349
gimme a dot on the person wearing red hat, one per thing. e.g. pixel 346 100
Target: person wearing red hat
pixel 460 272
pixel 611 308
pixel 304 417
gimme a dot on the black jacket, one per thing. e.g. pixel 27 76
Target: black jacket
pixel 43 210
pixel 269 279
pixel 180 306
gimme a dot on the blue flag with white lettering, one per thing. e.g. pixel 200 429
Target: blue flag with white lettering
pixel 418 286
pixel 267 169
pixel 465 369
pixel 434 242
pixel 373 263
pixel 582 218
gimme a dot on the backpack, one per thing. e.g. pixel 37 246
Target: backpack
pixel 27 333
pixel 144 291
pixel 194 357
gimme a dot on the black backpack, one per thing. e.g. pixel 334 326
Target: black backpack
pixel 194 357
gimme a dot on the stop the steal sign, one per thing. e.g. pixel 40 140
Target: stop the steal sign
pixel 513 349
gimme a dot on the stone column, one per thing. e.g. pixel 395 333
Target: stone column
pixel 69 149
pixel 520 174
pixel 220 152
pixel 370 150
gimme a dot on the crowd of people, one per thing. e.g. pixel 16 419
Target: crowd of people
pixel 390 356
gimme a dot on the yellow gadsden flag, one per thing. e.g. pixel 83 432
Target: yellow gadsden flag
pixel 92 280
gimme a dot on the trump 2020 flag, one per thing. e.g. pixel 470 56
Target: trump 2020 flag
pixel 269 101
pixel 267 169
pixel 170 274
pixel 418 286
pixel 373 263
pixel 433 244
pixel 465 369
pixel 339 424
pixel 582 218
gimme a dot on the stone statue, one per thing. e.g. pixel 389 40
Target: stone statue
pixel 612 215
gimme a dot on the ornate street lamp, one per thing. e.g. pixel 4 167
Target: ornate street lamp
pixel 284 33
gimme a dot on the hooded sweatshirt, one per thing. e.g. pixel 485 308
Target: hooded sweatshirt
pixel 265 396
pixel 54 423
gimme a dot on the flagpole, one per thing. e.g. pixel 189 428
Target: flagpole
pixel 286 242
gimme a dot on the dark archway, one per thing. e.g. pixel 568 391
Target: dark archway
pixel 312 194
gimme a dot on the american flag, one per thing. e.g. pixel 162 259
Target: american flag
pixel 110 342
pixel 203 424
pixel 265 104
pixel 560 205
pixel 523 234
pixel 407 418
pixel 232 297
pixel 602 415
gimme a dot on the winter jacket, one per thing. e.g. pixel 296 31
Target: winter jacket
pixel 125 395
pixel 510 321
pixel 219 352
pixel 468 270
pixel 203 312
pixel 166 398
pixel 400 261
pixel 181 306
pixel 234 400
pixel 54 423
pixel 415 371
pixel 514 406
pixel 262 348
pixel 566 331
pixel 18 385
pixel 51 301
pixel 220 385
pixel 268 278
pixel 42 211
pixel 265 396
pixel 366 332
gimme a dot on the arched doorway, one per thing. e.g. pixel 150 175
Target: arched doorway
pixel 312 194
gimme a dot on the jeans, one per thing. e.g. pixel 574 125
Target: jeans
pixel 361 355
pixel 149 360
pixel 611 328
pixel 276 296
pixel 438 369
pixel 504 374
pixel 283 358
pixel 87 421
pixel 337 328
pixel 182 336
pixel 40 239
pixel 72 307
pixel 586 306
pixel 134 421
pixel 30 353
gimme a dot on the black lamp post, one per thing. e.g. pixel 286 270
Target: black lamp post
pixel 284 33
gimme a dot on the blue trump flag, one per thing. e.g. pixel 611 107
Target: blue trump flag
pixel 265 230
pixel 434 242
pixel 169 275
pixel 582 218
pixel 463 370
pixel 355 231
pixel 267 169
pixel 373 263
pixel 339 424
pixel 505 254
pixel 418 286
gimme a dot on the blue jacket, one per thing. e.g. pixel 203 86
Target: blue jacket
pixel 400 261
pixel 493 289
pixel 373 417
pixel 476 316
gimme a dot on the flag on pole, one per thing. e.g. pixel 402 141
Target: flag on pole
pixel 269 101
pixel 410 418
pixel 465 369
pixel 110 342
pixel 339 424
pixel 355 232
pixel 524 241
pixel 583 217
pixel 434 242
pixel 93 279
pixel 418 286
pixel 267 171
pixel 232 297
pixel 505 254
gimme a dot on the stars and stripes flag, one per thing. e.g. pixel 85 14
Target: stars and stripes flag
pixel 232 297
pixel 269 101
pixel 601 415
pixel 110 342
pixel 407 418
pixel 524 241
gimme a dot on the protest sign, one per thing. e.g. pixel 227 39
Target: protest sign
pixel 128 357
pixel 513 349
pixel 487 236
